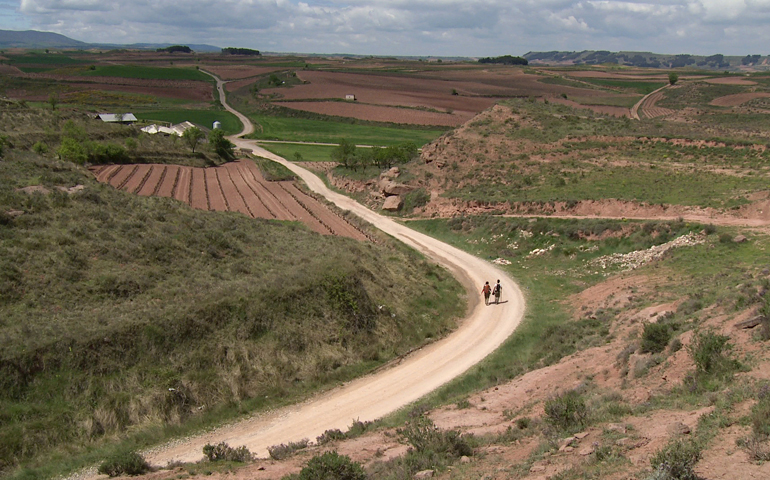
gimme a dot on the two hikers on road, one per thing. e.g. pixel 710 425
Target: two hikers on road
pixel 497 291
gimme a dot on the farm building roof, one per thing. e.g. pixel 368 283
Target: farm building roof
pixel 177 129
pixel 116 117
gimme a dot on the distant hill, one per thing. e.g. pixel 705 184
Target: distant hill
pixel 650 60
pixel 35 39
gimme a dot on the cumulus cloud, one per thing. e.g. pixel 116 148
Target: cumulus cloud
pixel 415 27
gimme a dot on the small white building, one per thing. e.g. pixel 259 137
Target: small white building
pixel 351 98
pixel 217 124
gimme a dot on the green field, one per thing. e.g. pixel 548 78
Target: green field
pixel 149 73
pixel 205 118
pixel 308 153
pixel 636 86
pixel 325 131
pixel 53 59
pixel 655 186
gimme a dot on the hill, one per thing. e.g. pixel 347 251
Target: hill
pixel 649 60
pixel 33 39
pixel 130 318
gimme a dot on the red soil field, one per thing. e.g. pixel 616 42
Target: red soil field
pixel 738 99
pixel 235 72
pixel 730 81
pixel 382 113
pixel 236 187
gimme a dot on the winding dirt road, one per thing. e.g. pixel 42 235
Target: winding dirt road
pixel 376 395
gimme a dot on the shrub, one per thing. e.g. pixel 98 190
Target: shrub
pixel 655 337
pixel 224 452
pixel 124 463
pixel 332 466
pixel 567 410
pixel 40 148
pixel 708 352
pixel 282 451
pixel 423 435
pixel 676 460
pixel 760 415
pixel 330 436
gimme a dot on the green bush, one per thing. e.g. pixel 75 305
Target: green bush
pixel 655 337
pixel 760 414
pixel 677 460
pixel 40 148
pixel 124 463
pixel 224 452
pixel 332 466
pixel 567 410
pixel 708 351
pixel 423 436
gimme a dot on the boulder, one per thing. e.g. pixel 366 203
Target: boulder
pixel 740 239
pixel 750 323
pixel 392 173
pixel 392 188
pixel 393 204
pixel 678 428
pixel 423 474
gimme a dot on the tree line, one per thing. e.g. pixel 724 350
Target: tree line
pixel 240 51
pixel 505 60
pixel 347 155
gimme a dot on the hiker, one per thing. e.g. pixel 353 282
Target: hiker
pixel 497 292
pixel 486 291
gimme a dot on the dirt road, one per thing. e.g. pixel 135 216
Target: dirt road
pixel 480 333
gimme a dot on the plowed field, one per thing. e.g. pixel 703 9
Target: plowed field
pixel 235 187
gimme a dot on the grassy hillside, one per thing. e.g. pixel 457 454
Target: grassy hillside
pixel 534 152
pixel 130 317
pixel 44 131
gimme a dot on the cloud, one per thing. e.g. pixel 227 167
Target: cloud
pixel 415 27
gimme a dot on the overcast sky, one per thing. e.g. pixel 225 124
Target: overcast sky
pixel 409 27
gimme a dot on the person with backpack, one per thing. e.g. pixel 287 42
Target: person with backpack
pixel 497 292
pixel 486 290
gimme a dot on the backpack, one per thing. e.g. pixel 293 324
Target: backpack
pixel 496 291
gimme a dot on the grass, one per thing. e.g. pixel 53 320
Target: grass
pixel 148 73
pixel 40 58
pixel 152 310
pixel 326 131
pixel 205 118
pixel 308 153
pixel 654 186
pixel 547 334
pixel 634 86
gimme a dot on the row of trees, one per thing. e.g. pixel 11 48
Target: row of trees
pixel 505 60
pixel 240 51
pixel 350 156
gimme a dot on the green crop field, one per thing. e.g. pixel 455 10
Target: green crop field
pixel 205 118
pixel 149 73
pixel 53 59
pixel 637 86
pixel 308 153
pixel 325 131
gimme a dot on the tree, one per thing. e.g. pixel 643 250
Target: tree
pixel 345 153
pixel 73 151
pixel 673 78
pixel 53 100
pixel 192 136
pixel 221 145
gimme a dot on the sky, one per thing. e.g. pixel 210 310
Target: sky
pixel 449 28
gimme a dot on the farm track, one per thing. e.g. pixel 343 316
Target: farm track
pixel 234 187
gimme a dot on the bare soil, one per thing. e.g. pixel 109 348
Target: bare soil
pixel 237 187
pixel 737 99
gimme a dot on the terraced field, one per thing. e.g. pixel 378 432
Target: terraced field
pixel 234 187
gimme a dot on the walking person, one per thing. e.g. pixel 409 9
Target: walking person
pixel 486 290
pixel 498 292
